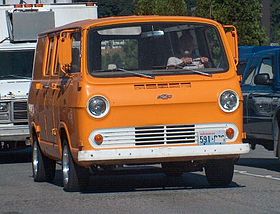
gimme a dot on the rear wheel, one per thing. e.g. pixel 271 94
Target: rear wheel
pixel 43 167
pixel 75 178
pixel 219 172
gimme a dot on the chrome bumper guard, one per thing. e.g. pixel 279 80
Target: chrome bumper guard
pixel 14 133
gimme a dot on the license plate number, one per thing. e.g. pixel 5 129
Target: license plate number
pixel 211 137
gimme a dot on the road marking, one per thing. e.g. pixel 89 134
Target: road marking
pixel 256 175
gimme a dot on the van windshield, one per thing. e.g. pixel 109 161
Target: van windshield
pixel 153 49
pixel 16 64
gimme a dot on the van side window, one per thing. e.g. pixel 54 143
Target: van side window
pixel 50 56
pixel 40 55
pixel 55 58
pixel 76 52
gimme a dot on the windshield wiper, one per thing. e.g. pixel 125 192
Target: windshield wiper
pixel 192 70
pixel 197 72
pixel 135 73
pixel 14 76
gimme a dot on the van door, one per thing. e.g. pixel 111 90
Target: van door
pixel 41 84
pixel 50 137
pixel 258 98
pixel 59 83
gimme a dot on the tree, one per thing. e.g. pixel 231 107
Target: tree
pixel 275 18
pixel 115 7
pixel 162 7
pixel 245 15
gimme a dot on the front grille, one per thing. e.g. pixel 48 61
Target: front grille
pixel 147 135
pixel 20 110
pixel 164 135
pixel 20 106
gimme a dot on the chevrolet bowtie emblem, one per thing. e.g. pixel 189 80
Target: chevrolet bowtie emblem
pixel 164 96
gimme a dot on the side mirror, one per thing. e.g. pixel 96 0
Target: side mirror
pixel 262 79
pixel 65 51
pixel 232 38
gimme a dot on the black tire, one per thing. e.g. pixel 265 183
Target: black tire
pixel 75 177
pixel 219 172
pixel 173 169
pixel 43 167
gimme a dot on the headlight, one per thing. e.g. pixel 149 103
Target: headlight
pixel 4 107
pixel 229 101
pixel 98 106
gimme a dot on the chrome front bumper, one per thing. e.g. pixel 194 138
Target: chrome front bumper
pixel 165 152
pixel 14 133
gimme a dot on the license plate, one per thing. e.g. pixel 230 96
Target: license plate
pixel 211 137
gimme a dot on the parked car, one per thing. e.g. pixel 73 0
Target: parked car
pixel 261 92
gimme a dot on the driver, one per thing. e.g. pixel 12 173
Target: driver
pixel 188 57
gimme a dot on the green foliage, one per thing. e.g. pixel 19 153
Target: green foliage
pixel 245 15
pixel 275 18
pixel 162 7
pixel 115 7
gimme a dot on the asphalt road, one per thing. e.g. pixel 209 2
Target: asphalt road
pixel 255 189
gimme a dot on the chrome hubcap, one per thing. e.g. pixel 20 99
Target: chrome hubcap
pixel 65 165
pixel 35 158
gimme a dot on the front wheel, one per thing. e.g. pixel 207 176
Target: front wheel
pixel 75 177
pixel 219 172
pixel 43 167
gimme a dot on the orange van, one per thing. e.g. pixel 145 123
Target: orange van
pixel 136 90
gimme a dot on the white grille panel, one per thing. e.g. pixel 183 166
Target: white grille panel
pixel 155 135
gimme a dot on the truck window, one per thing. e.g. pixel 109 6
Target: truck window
pixel 266 67
pixel 151 48
pixel 16 64
pixel 250 77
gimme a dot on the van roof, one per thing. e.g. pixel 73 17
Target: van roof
pixel 84 24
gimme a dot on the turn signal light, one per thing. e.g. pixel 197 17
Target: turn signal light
pixel 38 5
pixel 98 139
pixel 230 133
pixel 18 6
pixel 28 5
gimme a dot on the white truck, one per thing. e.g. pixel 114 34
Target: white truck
pixel 20 22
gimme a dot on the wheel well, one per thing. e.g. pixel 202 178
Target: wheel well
pixel 33 134
pixel 63 136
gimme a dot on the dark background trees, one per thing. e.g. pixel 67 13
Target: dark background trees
pixel 245 15
pixel 275 19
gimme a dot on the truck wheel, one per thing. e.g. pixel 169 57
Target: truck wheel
pixel 173 169
pixel 43 167
pixel 75 178
pixel 219 172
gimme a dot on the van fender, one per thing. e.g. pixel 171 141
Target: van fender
pixel 276 132
pixel 74 151
pixel 37 129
